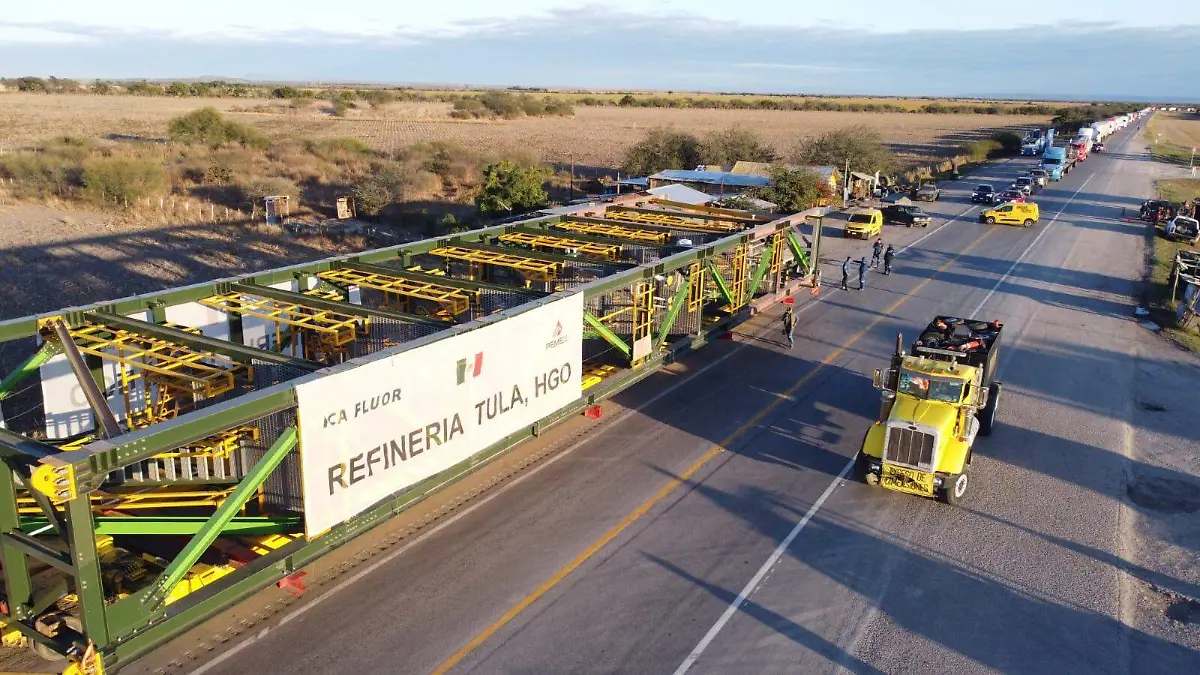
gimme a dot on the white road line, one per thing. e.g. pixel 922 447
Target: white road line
pixel 1029 248
pixel 762 572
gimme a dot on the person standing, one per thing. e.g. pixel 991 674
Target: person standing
pixel 877 252
pixel 846 274
pixel 789 325
pixel 888 256
pixel 862 273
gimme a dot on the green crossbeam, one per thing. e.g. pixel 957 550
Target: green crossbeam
pixel 609 336
pixel 668 322
pixel 798 251
pixel 721 285
pixel 216 523
pixel 764 263
pixel 39 358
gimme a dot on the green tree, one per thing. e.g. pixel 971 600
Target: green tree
pixel 733 145
pixel 1009 141
pixel 102 88
pixel 793 190
pixel 206 126
pixel 179 89
pixel 510 188
pixel 377 98
pixel 285 92
pixel 31 84
pixel 663 148
pixel 627 100
pixel 860 145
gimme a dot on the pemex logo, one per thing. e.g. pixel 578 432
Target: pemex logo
pixel 475 367
pixel 556 337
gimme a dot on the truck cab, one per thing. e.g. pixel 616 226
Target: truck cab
pixel 935 402
pixel 1053 161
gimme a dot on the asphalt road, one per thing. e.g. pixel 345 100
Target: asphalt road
pixel 713 530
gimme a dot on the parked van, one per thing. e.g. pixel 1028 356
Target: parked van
pixel 1013 213
pixel 864 223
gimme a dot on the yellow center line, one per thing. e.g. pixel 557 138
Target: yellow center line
pixel 670 487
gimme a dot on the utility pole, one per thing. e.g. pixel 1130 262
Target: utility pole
pixel 846 185
pixel 571 190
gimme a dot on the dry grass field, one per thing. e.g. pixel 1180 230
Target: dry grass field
pixel 595 136
pixel 1182 129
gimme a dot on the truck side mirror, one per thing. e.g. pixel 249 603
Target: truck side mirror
pixel 878 381
pixel 978 396
pixel 884 378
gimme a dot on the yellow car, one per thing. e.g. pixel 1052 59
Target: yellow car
pixel 1012 213
pixel 864 223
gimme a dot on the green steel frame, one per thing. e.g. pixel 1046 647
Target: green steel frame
pixel 130 627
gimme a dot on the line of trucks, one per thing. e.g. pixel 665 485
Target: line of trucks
pixel 1059 158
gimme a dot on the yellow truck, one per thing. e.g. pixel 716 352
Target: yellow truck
pixel 935 402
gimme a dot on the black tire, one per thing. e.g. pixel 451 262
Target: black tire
pixel 991 220
pixel 1029 222
pixel 958 488
pixel 987 416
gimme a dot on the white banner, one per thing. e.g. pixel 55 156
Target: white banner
pixel 371 431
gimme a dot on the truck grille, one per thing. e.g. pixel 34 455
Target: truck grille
pixel 906 446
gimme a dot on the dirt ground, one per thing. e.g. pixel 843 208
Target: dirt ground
pixel 1176 128
pixel 593 137
pixel 54 258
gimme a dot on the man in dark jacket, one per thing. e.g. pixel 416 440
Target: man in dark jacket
pixel 876 252
pixel 846 274
pixel 862 273
pixel 888 256
pixel 789 325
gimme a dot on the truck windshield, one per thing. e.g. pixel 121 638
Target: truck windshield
pixel 1050 161
pixel 932 388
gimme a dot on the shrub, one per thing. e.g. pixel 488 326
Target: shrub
pixel 978 151
pixel 532 106
pixel 340 107
pixel 116 181
pixel 337 150
pixel 509 188
pixel 254 191
pixel 217 173
pixel 286 92
pixel 662 148
pixel 1009 141
pixel 467 108
pixel 859 145
pixel 733 145
pixel 793 190
pixel 40 175
pixel 377 97
pixel 206 126
pixel 381 188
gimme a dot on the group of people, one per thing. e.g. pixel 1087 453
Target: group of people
pixel 878 253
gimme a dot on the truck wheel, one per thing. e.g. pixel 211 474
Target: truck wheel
pixel 956 491
pixel 987 416
pixel 1029 222
pixel 990 220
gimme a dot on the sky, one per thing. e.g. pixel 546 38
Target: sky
pixel 1148 49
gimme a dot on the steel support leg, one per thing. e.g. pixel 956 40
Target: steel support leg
pixel 18 587
pixel 88 585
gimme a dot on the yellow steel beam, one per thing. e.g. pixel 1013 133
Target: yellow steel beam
pixel 157 498
pixel 617 231
pixel 531 268
pixel 334 327
pixel 552 244
pixel 667 219
pixel 166 364
pixel 454 300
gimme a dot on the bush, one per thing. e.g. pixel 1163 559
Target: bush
pixel 337 150
pixel 40 175
pixel 859 145
pixel 253 192
pixel 467 108
pixel 375 192
pixel 217 173
pixel 662 149
pixel 793 190
pixel 509 188
pixel 979 151
pixel 286 92
pixel 206 126
pixel 340 107
pixel 1010 142
pixel 733 145
pixel 377 98
pixel 116 181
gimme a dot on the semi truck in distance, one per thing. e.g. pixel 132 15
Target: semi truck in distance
pixel 1054 161
pixel 935 402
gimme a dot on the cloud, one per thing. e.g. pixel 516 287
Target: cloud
pixel 595 48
